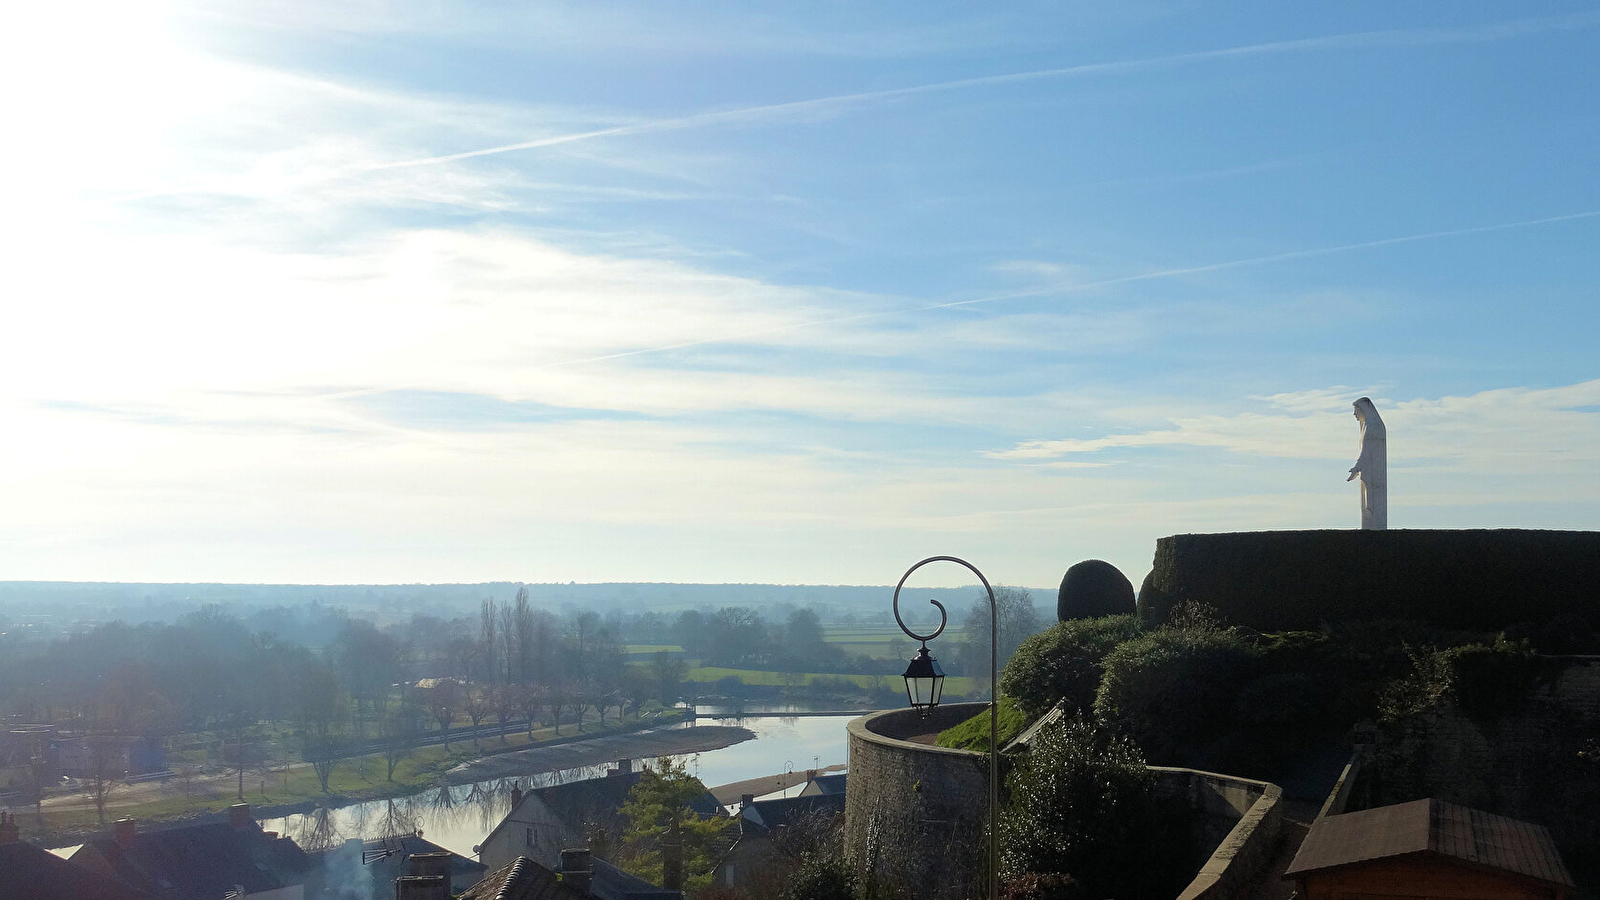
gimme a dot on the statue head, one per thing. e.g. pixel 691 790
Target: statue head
pixel 1367 414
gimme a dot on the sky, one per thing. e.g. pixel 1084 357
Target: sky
pixel 343 292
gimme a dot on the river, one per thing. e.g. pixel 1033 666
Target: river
pixel 460 817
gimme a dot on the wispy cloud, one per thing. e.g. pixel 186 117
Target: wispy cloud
pixel 831 105
pixel 1509 431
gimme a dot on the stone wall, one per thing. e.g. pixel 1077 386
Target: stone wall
pixel 914 812
pixel 1233 827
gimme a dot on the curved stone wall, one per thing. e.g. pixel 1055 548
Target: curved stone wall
pixel 914 813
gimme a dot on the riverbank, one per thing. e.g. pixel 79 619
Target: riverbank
pixel 729 794
pixel 601 750
pixel 289 789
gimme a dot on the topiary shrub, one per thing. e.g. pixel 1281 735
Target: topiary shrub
pixel 1091 589
pixel 1063 663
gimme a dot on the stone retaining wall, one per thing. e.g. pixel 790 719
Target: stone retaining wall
pixel 915 812
pixel 1239 817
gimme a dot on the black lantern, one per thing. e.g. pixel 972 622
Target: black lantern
pixel 924 681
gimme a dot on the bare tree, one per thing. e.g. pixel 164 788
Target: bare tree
pixel 504 699
pixel 557 695
pixel 105 769
pixel 443 701
pixel 399 734
pixel 1018 617
pixel 323 752
pixel 475 703
pixel 531 698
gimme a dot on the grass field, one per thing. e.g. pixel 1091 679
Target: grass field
pixel 888 680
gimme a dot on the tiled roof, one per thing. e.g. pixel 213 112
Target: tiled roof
pixel 522 879
pixel 1432 827
pixel 764 816
pixel 203 861
pixel 29 873
pixel 825 784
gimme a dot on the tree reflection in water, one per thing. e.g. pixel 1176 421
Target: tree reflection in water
pixel 461 814
pixel 317 830
pixel 392 820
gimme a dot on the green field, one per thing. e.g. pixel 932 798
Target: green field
pixel 888 680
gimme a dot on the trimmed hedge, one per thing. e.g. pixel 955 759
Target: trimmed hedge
pixel 1063 663
pixel 1474 580
pixel 1093 588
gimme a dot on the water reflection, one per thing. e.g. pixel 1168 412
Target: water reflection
pixel 459 817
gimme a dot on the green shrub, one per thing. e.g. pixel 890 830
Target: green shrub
pixel 1173 689
pixel 819 876
pixel 1488 681
pixel 973 734
pixel 1080 804
pixel 1063 662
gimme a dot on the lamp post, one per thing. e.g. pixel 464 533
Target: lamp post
pixel 925 681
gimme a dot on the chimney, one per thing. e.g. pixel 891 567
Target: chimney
pixel 672 860
pixel 435 863
pixel 625 766
pixel 745 800
pixel 422 887
pixel 576 869
pixel 9 834
pixel 516 797
pixel 239 815
pixel 126 828
pixel 811 775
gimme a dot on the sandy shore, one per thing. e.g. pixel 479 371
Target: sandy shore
pixel 601 750
pixel 730 793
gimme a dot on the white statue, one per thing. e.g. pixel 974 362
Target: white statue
pixel 1372 467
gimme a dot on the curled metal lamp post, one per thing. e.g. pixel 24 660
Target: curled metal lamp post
pixel 924 663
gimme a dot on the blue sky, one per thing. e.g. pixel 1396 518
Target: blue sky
pixel 392 292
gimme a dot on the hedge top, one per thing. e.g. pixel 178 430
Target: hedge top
pixel 1481 580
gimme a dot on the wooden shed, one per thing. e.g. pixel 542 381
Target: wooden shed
pixel 1428 850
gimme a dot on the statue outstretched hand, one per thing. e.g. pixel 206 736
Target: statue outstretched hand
pixel 1354 471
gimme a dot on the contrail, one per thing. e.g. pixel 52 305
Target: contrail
pixel 1393 38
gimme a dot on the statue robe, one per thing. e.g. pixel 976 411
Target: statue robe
pixel 1372 467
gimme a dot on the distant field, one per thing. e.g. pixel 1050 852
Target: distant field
pixel 876 634
pixel 890 680
pixel 650 649
pixel 876 650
